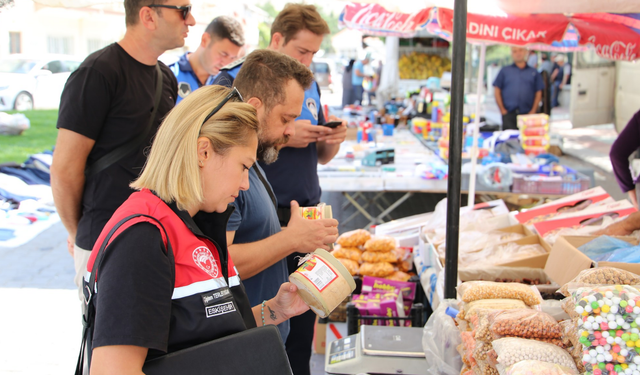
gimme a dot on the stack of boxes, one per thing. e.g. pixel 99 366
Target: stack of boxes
pixel 534 133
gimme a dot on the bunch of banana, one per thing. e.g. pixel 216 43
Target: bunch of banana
pixel 422 66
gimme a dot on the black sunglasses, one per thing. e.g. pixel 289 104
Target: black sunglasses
pixel 185 9
pixel 232 94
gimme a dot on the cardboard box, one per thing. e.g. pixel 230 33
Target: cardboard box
pixel 530 238
pixel 565 261
pixel 576 202
pixel 585 217
pixel 319 337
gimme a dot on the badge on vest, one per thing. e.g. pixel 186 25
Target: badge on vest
pixel 221 309
pixel 184 89
pixel 203 258
pixel 312 107
pixel 209 298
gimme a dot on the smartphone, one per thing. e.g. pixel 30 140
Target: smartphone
pixel 333 124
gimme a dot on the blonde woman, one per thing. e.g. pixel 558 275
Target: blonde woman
pixel 163 285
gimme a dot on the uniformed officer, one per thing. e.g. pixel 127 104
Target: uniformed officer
pixel 164 285
pixel 221 44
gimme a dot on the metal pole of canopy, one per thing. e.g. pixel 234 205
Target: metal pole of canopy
pixel 476 128
pixel 455 147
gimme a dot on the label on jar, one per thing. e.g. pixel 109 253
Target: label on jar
pixel 311 213
pixel 318 272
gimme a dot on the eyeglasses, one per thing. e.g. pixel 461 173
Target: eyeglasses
pixel 185 9
pixel 232 94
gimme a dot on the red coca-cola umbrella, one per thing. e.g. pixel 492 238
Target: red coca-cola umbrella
pixel 612 36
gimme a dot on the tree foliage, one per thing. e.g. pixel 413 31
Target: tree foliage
pixel 5 4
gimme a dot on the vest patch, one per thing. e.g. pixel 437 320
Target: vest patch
pixel 184 89
pixel 203 258
pixel 221 309
pixel 312 107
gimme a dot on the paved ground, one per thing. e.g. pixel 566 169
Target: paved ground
pixel 40 314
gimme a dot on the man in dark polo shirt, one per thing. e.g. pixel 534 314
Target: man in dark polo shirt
pixel 518 89
pixel 106 103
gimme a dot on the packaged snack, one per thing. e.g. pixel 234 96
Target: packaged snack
pixel 512 350
pixel 352 253
pixel 360 301
pixel 381 244
pixel 399 276
pixel 404 265
pixel 381 269
pixel 602 276
pixel 379 285
pixel 375 257
pixel 525 323
pixel 354 238
pixel 533 367
pixel 350 265
pixel 471 308
pixel 477 290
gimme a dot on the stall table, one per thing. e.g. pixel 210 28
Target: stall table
pixel 352 180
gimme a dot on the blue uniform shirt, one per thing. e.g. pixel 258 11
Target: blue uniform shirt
pixel 518 87
pixel 228 74
pixel 187 79
pixel 254 219
pixel 294 176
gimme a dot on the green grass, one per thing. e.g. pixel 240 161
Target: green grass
pixel 39 137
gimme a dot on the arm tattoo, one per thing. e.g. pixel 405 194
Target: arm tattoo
pixel 272 314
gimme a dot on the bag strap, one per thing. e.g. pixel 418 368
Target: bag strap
pixel 123 150
pixel 89 290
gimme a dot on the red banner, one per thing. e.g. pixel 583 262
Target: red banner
pixel 509 29
pixel 375 17
pixel 610 40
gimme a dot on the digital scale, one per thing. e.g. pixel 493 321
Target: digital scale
pixel 378 350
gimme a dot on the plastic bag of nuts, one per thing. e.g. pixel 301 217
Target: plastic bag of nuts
pixel 484 352
pixel 477 290
pixel 512 350
pixel 532 367
pixel 602 276
pixel 484 368
pixel 525 323
pixel 354 238
pixel 471 308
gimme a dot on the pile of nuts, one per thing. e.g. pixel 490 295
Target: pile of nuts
pixel 513 350
pixel 525 323
pixel 477 290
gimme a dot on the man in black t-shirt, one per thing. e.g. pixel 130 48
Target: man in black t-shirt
pixel 106 103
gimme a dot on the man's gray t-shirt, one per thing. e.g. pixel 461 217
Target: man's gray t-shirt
pixel 254 219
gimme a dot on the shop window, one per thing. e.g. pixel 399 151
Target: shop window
pixel 15 42
pixel 60 45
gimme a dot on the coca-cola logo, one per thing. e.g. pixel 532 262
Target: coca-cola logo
pixel 617 50
pixel 375 16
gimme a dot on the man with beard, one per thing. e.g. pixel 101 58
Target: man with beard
pixel 274 84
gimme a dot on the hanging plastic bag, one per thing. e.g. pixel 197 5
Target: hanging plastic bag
pixel 440 339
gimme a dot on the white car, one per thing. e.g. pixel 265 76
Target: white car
pixel 34 82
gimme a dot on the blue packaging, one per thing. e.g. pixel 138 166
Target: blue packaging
pixel 387 129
